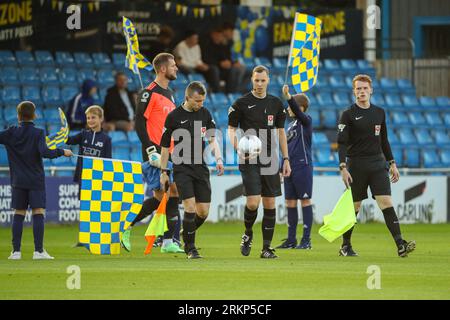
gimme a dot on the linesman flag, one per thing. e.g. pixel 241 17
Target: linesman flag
pixel 158 225
pixel 342 219
pixel 56 140
pixel 112 193
pixel 134 60
pixel 304 52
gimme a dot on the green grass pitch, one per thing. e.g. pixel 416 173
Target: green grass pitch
pixel 225 274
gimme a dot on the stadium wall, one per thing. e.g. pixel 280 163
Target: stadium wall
pixel 417 199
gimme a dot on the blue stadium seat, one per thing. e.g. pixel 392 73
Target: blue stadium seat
pixel 136 154
pixel 441 138
pixel 398 155
pixel 423 137
pixel 393 100
pixel 219 99
pixel 399 118
pixel 64 59
pixel 315 115
pixel 10 114
pixel 118 59
pixel 68 92
pixel 133 138
pixel 378 100
pixel 51 96
pixel 11 95
pixel 349 66
pixel 196 77
pixel 101 59
pixel 407 137
pixel 25 59
pixel 279 64
pixel 331 65
pixel 431 159
pixel 51 114
pixel 393 138
pixel 263 61
pixel 329 119
pixel 322 84
pixel 376 85
pixel 341 99
pixel 325 157
pixel 337 82
pixel 447 119
pixel 312 100
pixel 9 75
pixel 325 100
pixel 122 153
pixel 320 138
pixel 29 76
pixel 84 74
pixel 406 86
pixel 232 97
pixel 118 138
pixel 105 78
pixel 389 85
pixel 349 82
pixel 179 97
pixel 410 101
pixel 3 156
pixel 83 59
pixel 434 119
pixel 443 102
pixel 68 76
pixel 412 157
pixel 445 157
pixel 44 58
pixel 365 66
pixel 427 102
pixel 7 58
pixel 32 93
pixel 417 119
pixel 48 75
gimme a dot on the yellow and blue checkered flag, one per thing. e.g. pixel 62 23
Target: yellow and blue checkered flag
pixel 58 139
pixel 134 60
pixel 304 53
pixel 112 193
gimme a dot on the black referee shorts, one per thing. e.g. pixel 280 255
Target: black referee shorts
pixel 193 181
pixel 370 172
pixel 256 184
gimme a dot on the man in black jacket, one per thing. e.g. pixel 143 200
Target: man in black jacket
pixel 119 106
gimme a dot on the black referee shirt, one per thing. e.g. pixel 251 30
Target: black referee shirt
pixel 362 133
pixel 196 125
pixel 260 114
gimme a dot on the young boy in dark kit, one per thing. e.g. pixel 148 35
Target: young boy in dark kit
pixel 25 145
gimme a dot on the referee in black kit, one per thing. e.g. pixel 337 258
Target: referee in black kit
pixel 259 113
pixel 191 126
pixel 362 139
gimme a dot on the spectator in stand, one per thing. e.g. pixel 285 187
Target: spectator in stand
pixel 217 55
pixel 163 43
pixel 189 60
pixel 119 106
pixel 76 116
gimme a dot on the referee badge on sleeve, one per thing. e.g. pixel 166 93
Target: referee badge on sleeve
pixel 270 120
pixel 230 110
pixel 377 130
pixel 203 132
pixel 341 127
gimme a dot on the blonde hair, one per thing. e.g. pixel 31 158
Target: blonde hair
pixel 363 78
pixel 95 109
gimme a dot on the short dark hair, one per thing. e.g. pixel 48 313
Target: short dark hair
pixel 260 69
pixel 161 59
pixel 189 33
pixel 195 86
pixel 166 32
pixel 302 100
pixel 227 25
pixel 26 110
pixel 119 74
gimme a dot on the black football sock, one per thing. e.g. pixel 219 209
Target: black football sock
pixel 199 221
pixel 147 209
pixel 17 229
pixel 176 234
pixel 172 217
pixel 249 220
pixel 268 227
pixel 38 232
pixel 292 218
pixel 189 230
pixel 347 236
pixel 393 224
pixel 307 221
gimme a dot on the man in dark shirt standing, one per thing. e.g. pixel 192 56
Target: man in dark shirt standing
pixel 260 113
pixel 363 140
pixel 190 125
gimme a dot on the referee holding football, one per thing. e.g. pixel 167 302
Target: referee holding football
pixel 362 139
pixel 261 113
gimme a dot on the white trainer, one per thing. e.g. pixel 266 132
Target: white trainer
pixel 42 256
pixel 16 255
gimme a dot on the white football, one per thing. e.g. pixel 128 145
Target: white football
pixel 249 146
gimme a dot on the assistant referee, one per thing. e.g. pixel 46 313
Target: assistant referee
pixel 363 151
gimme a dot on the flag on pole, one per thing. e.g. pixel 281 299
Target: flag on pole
pixel 304 52
pixel 134 60
pixel 341 219
pixel 58 139
pixel 158 225
pixel 112 193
